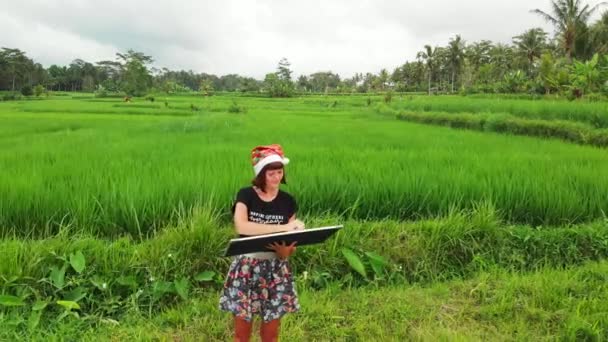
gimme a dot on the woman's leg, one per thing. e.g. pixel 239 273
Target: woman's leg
pixel 242 329
pixel 269 331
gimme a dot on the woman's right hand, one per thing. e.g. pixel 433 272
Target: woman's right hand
pixel 283 250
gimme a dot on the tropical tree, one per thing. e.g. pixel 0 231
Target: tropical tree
pixel 136 78
pixel 382 79
pixel 455 55
pixel 599 34
pixel 16 64
pixel 569 18
pixel 586 76
pixel 206 87
pixel 530 45
pixel 428 57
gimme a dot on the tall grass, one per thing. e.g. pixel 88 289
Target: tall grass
pixel 111 175
pixel 459 246
pixel 508 124
pixel 594 113
pixel 547 305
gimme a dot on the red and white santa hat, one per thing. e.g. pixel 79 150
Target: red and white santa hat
pixel 266 154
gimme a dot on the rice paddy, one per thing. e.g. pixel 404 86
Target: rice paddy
pixel 123 210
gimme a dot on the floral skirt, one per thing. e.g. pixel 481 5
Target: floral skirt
pixel 259 286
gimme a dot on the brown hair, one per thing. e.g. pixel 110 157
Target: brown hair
pixel 260 179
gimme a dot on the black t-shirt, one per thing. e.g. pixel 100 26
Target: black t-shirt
pixel 277 211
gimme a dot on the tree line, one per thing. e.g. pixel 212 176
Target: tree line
pixel 574 61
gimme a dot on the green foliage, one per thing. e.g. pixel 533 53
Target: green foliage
pixel 205 276
pixel 85 278
pixel 497 305
pixel 236 108
pixel 277 87
pixel 368 262
pixel 39 90
pixel 77 261
pixel 569 131
pixel 594 114
pixel 11 97
pixel 279 84
pixel 7 300
pixel 586 76
pixel 388 97
pixel 513 82
pixel 206 87
pixel 26 90
pixel 354 261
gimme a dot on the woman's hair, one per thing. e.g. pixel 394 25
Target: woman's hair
pixel 260 179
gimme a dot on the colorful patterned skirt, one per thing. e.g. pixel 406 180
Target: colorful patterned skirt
pixel 262 287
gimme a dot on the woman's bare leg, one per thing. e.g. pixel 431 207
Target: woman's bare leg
pixel 269 331
pixel 242 329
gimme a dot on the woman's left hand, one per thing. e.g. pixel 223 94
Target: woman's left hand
pixel 282 250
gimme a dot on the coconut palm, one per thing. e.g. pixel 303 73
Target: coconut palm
pixel 455 55
pixel 568 16
pixel 531 44
pixel 428 56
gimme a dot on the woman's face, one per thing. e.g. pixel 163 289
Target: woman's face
pixel 273 178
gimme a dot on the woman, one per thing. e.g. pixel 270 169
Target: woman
pixel 261 283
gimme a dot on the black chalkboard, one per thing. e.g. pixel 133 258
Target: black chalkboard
pixel 252 244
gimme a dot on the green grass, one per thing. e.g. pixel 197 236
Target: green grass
pixel 145 276
pixel 111 174
pixel 117 207
pixel 496 305
pixel 507 124
pixel 594 113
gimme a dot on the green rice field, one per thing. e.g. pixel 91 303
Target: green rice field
pixel 114 215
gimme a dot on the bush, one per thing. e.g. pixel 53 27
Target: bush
pixel 11 97
pixel 26 90
pixel 235 108
pixel 594 97
pixel 388 97
pixel 101 91
pixel 39 90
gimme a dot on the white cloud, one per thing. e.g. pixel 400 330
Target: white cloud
pixel 249 37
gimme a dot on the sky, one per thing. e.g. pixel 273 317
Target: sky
pixel 250 37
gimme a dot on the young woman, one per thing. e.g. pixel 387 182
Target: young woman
pixel 261 283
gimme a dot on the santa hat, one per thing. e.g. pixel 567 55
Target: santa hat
pixel 264 155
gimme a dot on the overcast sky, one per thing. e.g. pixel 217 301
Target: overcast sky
pixel 250 37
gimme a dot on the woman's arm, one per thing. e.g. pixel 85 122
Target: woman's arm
pixel 245 227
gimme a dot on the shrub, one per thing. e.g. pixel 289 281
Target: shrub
pixel 26 90
pixel 39 90
pixel 236 108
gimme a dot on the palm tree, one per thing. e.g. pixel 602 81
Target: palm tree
pixel 455 56
pixel 383 78
pixel 531 44
pixel 478 53
pixel 428 55
pixel 567 17
pixel 599 34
